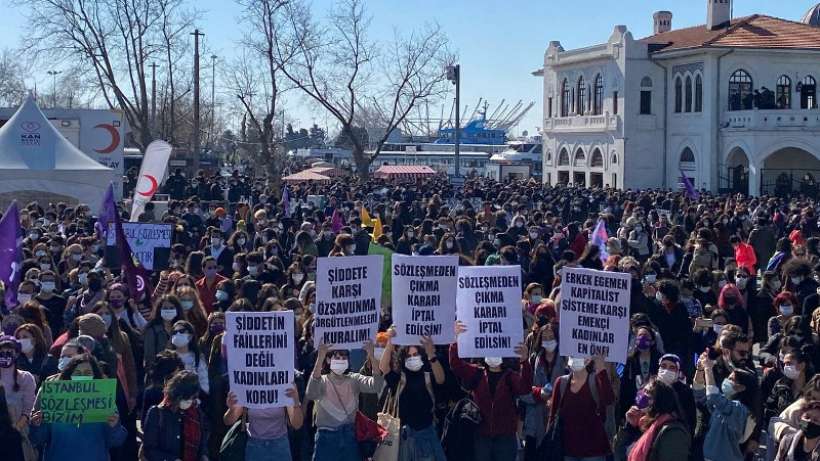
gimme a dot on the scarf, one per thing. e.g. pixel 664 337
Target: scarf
pixel 191 434
pixel 640 451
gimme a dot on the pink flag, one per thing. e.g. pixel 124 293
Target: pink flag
pixel 336 222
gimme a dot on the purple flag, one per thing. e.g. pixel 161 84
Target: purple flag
pixel 336 222
pixel 136 277
pixel 10 257
pixel 108 210
pixel 690 189
pixel 599 238
pixel 286 201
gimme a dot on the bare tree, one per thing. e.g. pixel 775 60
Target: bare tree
pixel 116 40
pixel 346 73
pixel 12 85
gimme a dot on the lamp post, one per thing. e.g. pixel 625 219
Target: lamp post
pixel 54 74
pixel 454 76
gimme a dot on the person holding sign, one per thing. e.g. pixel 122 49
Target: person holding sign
pixel 267 428
pixel 336 393
pixel 72 441
pixel 411 383
pixel 494 387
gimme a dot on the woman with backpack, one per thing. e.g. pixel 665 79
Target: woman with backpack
pixel 578 405
pixel 411 382
pixel 659 419
pixel 495 388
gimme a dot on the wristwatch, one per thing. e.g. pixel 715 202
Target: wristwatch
pixel 433 359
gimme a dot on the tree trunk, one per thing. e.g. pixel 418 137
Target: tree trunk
pixel 362 163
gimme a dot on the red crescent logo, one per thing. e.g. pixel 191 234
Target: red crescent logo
pixel 115 138
pixel 153 187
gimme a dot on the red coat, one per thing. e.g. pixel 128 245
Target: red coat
pixel 207 294
pixel 499 415
pixel 745 257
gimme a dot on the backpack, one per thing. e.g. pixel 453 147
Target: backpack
pixel 593 388
pixel 460 424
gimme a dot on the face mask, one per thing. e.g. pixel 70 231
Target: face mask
pixel 63 363
pixel 107 320
pixel 297 278
pixel 187 304
pixel 180 339
pixel 576 363
pixel 210 273
pixel 253 270
pixel 642 401
pixel 349 250
pixel 26 345
pixel 519 224
pixel 717 328
pixel 722 283
pixel 449 245
pixel 240 241
pixel 786 309
pixel 791 371
pixel 235 267
pixel 312 307
pixel 216 328
pixel 35 236
pixel 378 352
pixel 81 378
pixel 47 287
pixel 413 363
pixel 497 243
pixel 536 299
pixel 549 345
pixel 705 289
pixel 117 303
pixel 533 235
pixel 728 388
pixel 643 343
pixel 338 366
pixel 650 278
pixel 810 429
pixel 168 314
pixel 797 280
pixel 776 285
pixel 741 283
pixel 45 267
pixel 493 362
pixel 185 404
pixel 76 258
pixel 221 295
pixel 82 278
pixel 216 242
pixel 411 235
pixel 667 377
pixel 40 253
pixel 23 298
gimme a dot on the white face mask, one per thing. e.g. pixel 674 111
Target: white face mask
pixel 790 371
pixel 533 235
pixel 235 267
pixel 414 363
pixel 221 295
pixel 26 345
pixel 185 404
pixel 717 328
pixel 168 314
pixel 180 339
pixel 378 352
pixel 253 270
pixel 82 278
pixel 216 242
pixel 493 362
pixel 449 245
pixel 298 277
pixel 705 289
pixel 786 309
pixel 550 345
pixel 23 298
pixel 47 287
pixel 338 366
pixel 667 376
pixel 741 283
pixel 240 241
pixel 576 363
pixel 349 250
pixel 187 304
pixel 659 296
pixel 797 280
pixel 63 363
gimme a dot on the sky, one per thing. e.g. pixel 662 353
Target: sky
pixel 499 42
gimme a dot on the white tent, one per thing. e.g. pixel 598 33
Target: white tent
pixel 37 161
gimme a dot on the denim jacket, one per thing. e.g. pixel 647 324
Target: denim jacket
pixel 727 425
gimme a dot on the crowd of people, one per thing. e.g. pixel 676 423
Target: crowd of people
pixel 723 349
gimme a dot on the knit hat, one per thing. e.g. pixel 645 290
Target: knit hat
pixel 219 212
pixel 92 325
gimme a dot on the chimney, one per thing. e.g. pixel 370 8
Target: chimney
pixel 663 21
pixel 718 13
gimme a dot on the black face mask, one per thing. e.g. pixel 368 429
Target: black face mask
pixel 810 429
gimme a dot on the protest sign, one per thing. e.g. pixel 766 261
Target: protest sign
pixel 78 402
pixel 488 302
pixel 424 295
pixel 594 314
pixel 348 300
pixel 150 243
pixel 387 286
pixel 260 350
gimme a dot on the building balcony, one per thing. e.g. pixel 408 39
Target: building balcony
pixel 582 123
pixel 772 120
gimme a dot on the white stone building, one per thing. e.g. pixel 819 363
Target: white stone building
pixel 732 103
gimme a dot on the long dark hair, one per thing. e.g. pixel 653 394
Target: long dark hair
pixel 6 425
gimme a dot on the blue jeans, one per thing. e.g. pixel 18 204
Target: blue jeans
pixel 336 445
pixel 421 445
pixel 268 449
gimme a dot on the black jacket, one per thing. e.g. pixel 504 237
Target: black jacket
pixel 162 435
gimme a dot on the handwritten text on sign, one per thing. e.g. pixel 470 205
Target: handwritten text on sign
pixel 143 239
pixel 260 347
pixel 78 402
pixel 348 300
pixel 424 294
pixel 594 314
pixel 488 302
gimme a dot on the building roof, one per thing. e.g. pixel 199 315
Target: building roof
pixel 306 176
pixel 756 31
pixel 388 171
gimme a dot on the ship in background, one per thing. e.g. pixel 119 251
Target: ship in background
pixel 486 146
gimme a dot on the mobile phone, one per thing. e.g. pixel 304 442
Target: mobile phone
pixel 703 323
pixel 713 353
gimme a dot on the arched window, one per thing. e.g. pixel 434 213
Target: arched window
pixel 597 160
pixel 563 158
pixel 581 94
pixel 598 103
pixel 580 158
pixel 678 95
pixel 698 93
pixel 808 93
pixel 687 159
pixel 565 98
pixel 688 93
pixel 646 96
pixel 740 91
pixel 784 92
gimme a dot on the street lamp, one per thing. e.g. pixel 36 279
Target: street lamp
pixel 454 76
pixel 54 74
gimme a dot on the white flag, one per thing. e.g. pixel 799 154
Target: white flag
pixel 154 164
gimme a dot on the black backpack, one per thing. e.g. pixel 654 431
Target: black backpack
pixel 460 426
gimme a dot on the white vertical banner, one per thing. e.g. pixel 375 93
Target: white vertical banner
pixel 424 297
pixel 260 351
pixel 488 303
pixel 152 172
pixel 348 300
pixel 594 314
